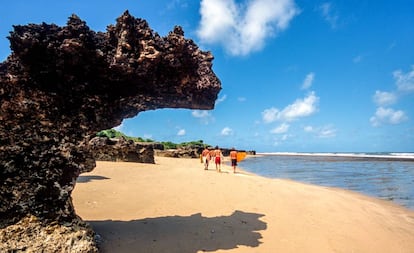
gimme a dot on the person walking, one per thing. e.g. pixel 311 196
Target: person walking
pixel 217 160
pixel 206 157
pixel 212 153
pixel 233 158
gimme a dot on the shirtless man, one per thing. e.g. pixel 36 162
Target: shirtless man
pixel 212 154
pixel 218 155
pixel 206 157
pixel 233 157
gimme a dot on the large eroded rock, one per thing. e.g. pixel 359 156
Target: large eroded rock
pixel 61 85
pixel 120 149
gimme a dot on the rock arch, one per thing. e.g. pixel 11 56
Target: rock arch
pixel 61 85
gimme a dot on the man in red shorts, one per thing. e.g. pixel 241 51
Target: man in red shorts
pixel 217 154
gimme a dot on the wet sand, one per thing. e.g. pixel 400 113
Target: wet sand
pixel 176 206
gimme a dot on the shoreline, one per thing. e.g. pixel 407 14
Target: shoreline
pixel 395 156
pixel 384 179
pixel 176 206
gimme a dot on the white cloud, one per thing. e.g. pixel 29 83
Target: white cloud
pixel 404 81
pixel 200 114
pixel 405 85
pixel 204 116
pixel 243 28
pixel 283 128
pixel 221 99
pixel 227 131
pixel 241 99
pixel 327 131
pixel 387 116
pixel 181 132
pixel 300 108
pixel 329 14
pixel 270 115
pixel 307 83
pixel 382 98
pixel 217 19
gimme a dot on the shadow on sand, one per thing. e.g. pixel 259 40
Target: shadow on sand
pixel 86 179
pixel 184 234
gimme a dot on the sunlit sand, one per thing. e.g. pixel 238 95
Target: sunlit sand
pixel 177 206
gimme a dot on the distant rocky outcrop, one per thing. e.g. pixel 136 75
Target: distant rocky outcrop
pixel 120 149
pixel 188 151
pixel 59 87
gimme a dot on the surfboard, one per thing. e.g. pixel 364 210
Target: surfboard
pixel 241 156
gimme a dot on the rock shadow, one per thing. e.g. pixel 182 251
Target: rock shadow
pixel 87 179
pixel 183 234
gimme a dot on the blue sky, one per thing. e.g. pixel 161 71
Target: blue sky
pixel 297 76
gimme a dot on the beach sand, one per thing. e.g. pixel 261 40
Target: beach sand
pixel 176 206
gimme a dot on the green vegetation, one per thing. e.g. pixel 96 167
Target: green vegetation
pixel 193 143
pixel 169 145
pixel 112 133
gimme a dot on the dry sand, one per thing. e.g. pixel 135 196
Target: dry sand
pixel 176 206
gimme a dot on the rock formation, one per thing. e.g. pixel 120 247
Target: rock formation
pixel 61 85
pixel 120 149
pixel 189 151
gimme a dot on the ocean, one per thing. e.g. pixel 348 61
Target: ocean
pixel 388 176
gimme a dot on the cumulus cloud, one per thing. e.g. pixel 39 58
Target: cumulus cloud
pixel 298 109
pixel 307 83
pixel 243 28
pixel 382 98
pixel 227 131
pixel 181 132
pixel 405 85
pixel 270 115
pixel 387 116
pixel 281 129
pixel 404 81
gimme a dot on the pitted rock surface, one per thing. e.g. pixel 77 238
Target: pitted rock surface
pixel 122 150
pixel 61 85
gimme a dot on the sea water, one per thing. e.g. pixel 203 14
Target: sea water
pixel 388 176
